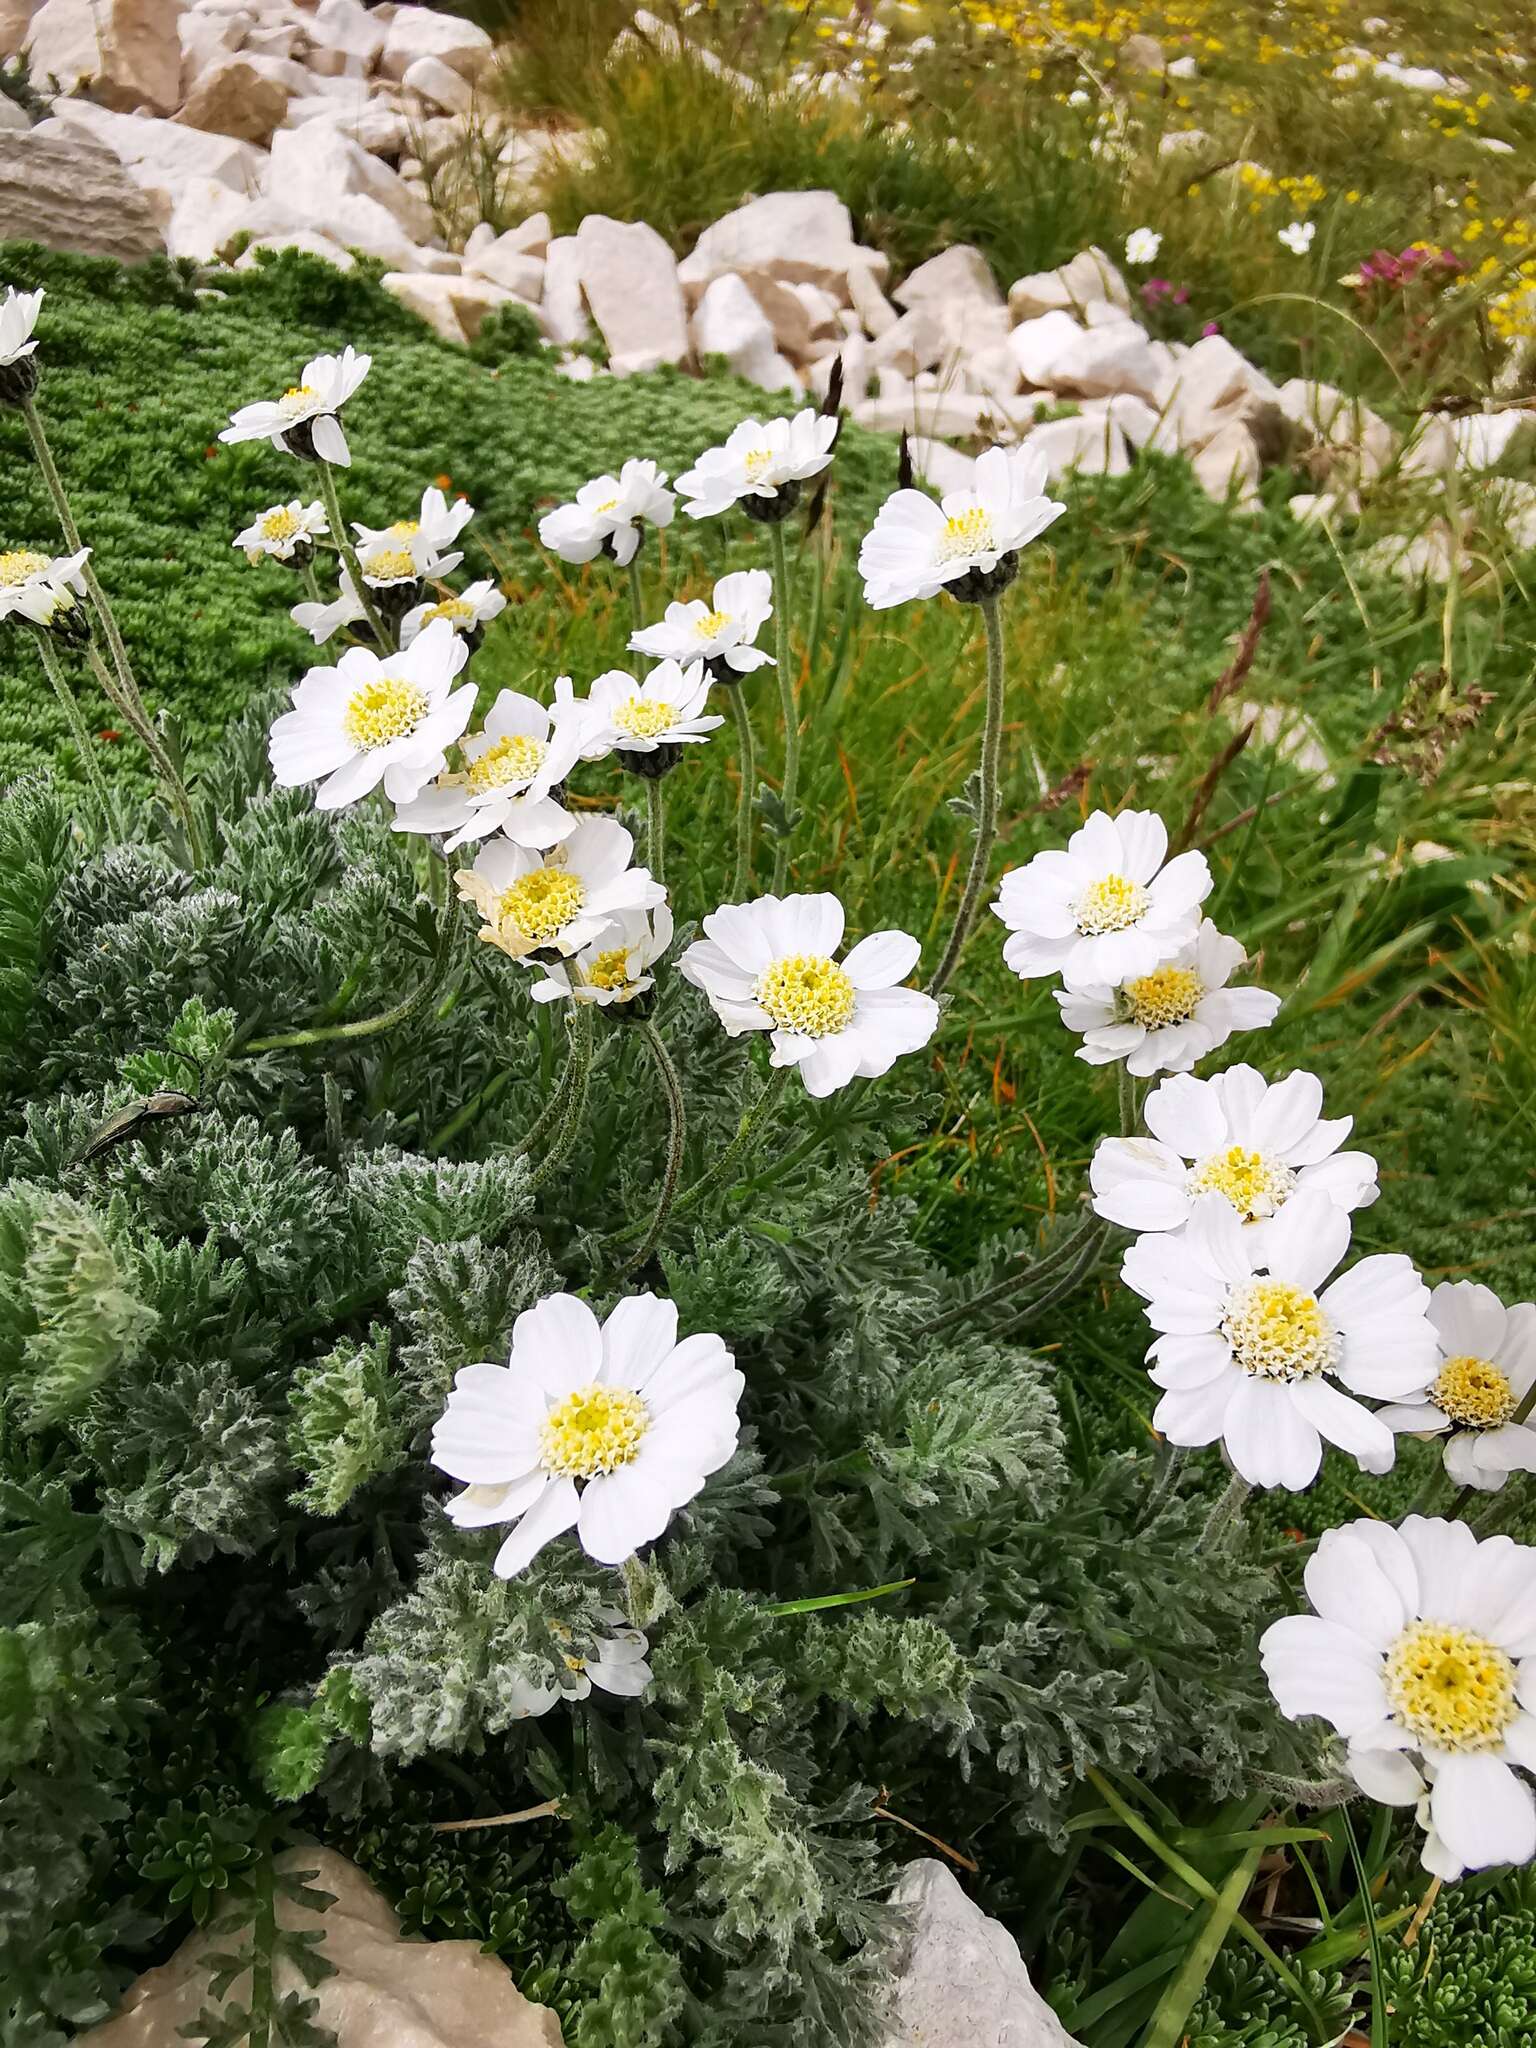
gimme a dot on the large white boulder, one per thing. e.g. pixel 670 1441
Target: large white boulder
pixel 439 85
pixel 1054 353
pixel 565 308
pixel 127 51
pixel 962 1982
pixel 1090 443
pixel 960 276
pixel 629 276
pixel 69 191
pixel 206 38
pixel 1088 277
pixel 504 264
pixel 456 307
pixel 163 156
pixel 318 161
pixel 916 342
pixel 869 301
pixel 729 322
pixel 233 97
pixel 1227 467
pixel 799 237
pixel 942 468
pixel 416 32
pixel 301 238
pixel 348 39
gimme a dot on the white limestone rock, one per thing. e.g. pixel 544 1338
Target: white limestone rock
pixel 1090 276
pixel 347 37
pixel 565 309
pixel 69 191
pixel 162 157
pixel 1090 443
pixel 15 20
pixel 233 97
pixel 942 468
pixel 915 343
pixel 1227 467
pixel 629 276
pixel 1055 354
pixel 1142 54
pixel 301 238
pixel 962 1982
pixel 960 274
pixel 439 85
pixel 729 322
pixel 1430 449
pixel 416 32
pixel 313 164
pixel 936 413
pixel 127 51
pixel 1483 439
pixel 454 307
pixel 206 37
pixel 510 268
pixel 799 237
pixel 13 121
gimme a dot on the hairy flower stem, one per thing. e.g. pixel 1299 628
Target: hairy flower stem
pixel 1128 1113
pixel 986 821
pixel 573 1088
pixel 79 732
pixel 786 682
pixel 727 1162
pixel 137 720
pixel 677 1127
pixel 747 763
pixel 1224 1513
pixel 1069 1283
pixel 1026 1276
pixel 656 826
pixel 1166 1468
pixel 636 592
pixel 383 640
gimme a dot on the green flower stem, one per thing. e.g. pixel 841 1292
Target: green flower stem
pixel 1459 1505
pixel 573 1087
pixel 175 789
pixel 1025 1276
pixel 1224 1512
pixel 986 822
pixel 1128 1110
pixel 656 826
pixel 727 1162
pixel 672 1088
pixel 363 1027
pixel 328 491
pixel 786 682
pixel 78 730
pixel 636 592
pixel 1069 1282
pixel 747 762
pixel 311 582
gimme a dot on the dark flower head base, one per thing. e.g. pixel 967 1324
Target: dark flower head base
pixel 769 511
pixel 300 440
pixel 976 585
pixel 70 624
pixel 661 760
pixel 19 380
pixel 394 600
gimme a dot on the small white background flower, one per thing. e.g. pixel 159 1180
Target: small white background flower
pixel 321 621
pixel 1422 1643
pixel 613 1662
pixel 614 968
pixel 562 901
pixel 1298 236
pixel 1110 906
pixel 608 512
pixel 768 966
pixel 1254 1141
pixel 510 768
pixel 605 1428
pixel 757 460
pixel 468 610
pixel 721 631
pixel 916 547
pixel 1163 1021
pixel 18 317
pixel 326 385
pixel 425 539
pixel 31 585
pixel 1486 1367
pixel 282 530
pixel 1250 1347
pixel 1142 245
pixel 374 718
pixel 637 718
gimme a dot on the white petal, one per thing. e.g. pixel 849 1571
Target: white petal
pixel 550 1516
pixel 1269 1439
pixel 882 960
pixel 1346 1584
pixel 640 1333
pixel 1483 1811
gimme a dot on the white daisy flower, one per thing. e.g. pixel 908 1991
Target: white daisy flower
pixel 608 514
pixel 615 1662
pixel 1163 1021
pixel 721 632
pixel 469 611
pixel 1142 245
pixel 423 541
pixel 1486 1366
pixel 39 588
pixel 561 901
pixel 374 718
pixel 614 969
pixel 284 533
pixel 666 710
pixel 761 464
pixel 768 966
pixel 1256 1142
pixel 510 769
pixel 321 621
pixel 1298 236
pixel 968 542
pixel 604 1428
pixel 304 420
pixel 18 317
pixel 1421 1654
pixel 1111 906
pixel 1250 1350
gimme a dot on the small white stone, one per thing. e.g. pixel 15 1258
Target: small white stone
pixel 440 85
pixel 962 1982
pixel 415 32
pixel 1076 285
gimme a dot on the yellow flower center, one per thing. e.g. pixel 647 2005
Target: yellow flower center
pixel 711 624
pixel 280 523
pixel 574 1663
pixel 1277 1332
pixel 390 565
pixel 1474 1392
pixel 644 718
pixel 967 533
pixel 1111 904
pixel 405 529
pixel 20 566
pixel 515 758
pixel 388 708
pixel 610 969
pixel 608 505
pixel 1166 996
pixel 542 903
pixel 756 462
pixel 296 399
pixel 1450 1688
pixel 453 609
pixel 596 1429
pixel 809 993
pixel 1254 1185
